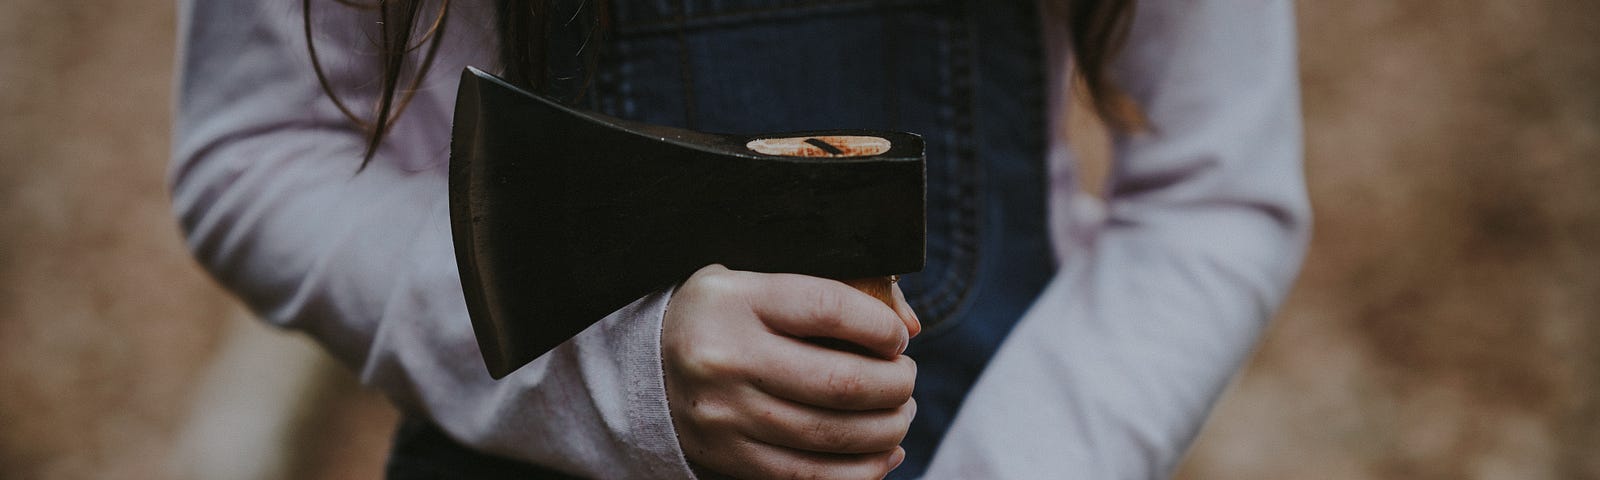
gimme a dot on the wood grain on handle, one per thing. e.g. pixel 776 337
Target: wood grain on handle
pixel 881 288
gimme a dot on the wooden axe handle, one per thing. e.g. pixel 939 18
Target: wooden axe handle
pixel 881 288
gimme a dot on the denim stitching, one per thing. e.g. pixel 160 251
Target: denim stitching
pixel 943 303
pixel 891 99
pixel 922 301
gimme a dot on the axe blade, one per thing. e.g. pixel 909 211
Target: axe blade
pixel 561 216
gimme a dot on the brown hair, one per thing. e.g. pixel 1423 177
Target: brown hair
pixel 1097 30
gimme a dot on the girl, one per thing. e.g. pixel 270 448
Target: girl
pixel 1062 337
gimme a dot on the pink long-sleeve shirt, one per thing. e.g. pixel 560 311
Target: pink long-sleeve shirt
pixel 1162 292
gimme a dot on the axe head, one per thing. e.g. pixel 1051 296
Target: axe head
pixel 561 216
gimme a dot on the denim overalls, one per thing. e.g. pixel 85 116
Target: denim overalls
pixel 965 74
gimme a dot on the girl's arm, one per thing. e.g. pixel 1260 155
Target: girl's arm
pixel 1160 299
pixel 264 182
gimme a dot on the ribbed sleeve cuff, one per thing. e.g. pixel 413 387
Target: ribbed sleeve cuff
pixel 649 417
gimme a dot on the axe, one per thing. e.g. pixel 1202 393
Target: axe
pixel 561 216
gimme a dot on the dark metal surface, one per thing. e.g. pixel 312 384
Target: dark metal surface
pixel 561 217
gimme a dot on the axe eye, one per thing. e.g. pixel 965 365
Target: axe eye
pixel 825 146
pixel 837 146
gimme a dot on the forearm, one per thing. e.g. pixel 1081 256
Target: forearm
pixel 1113 371
pixel 265 186
pixel 1159 301
pixel 368 273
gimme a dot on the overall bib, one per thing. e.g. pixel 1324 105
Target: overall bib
pixel 967 75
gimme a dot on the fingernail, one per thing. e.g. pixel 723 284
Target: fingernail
pixel 896 458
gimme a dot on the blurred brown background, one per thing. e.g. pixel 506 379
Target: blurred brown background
pixel 1444 327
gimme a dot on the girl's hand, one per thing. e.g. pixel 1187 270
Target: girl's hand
pixel 752 396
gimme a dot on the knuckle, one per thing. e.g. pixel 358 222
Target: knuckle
pixel 863 471
pixel 908 371
pixel 767 467
pixel 901 392
pixel 814 435
pixel 832 436
pixel 896 335
pixel 714 283
pixel 910 409
pixel 881 436
pixel 891 430
pixel 711 362
pixel 844 385
pixel 877 470
pixel 898 384
pixel 809 469
pixel 826 307
pixel 872 473
pixel 802 474
pixel 713 415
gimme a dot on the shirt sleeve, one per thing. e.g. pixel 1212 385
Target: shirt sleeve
pixel 1160 298
pixel 264 181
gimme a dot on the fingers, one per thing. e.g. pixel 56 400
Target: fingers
pixel 903 309
pixel 801 427
pixel 754 395
pixel 759 460
pixel 803 306
pixel 833 379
